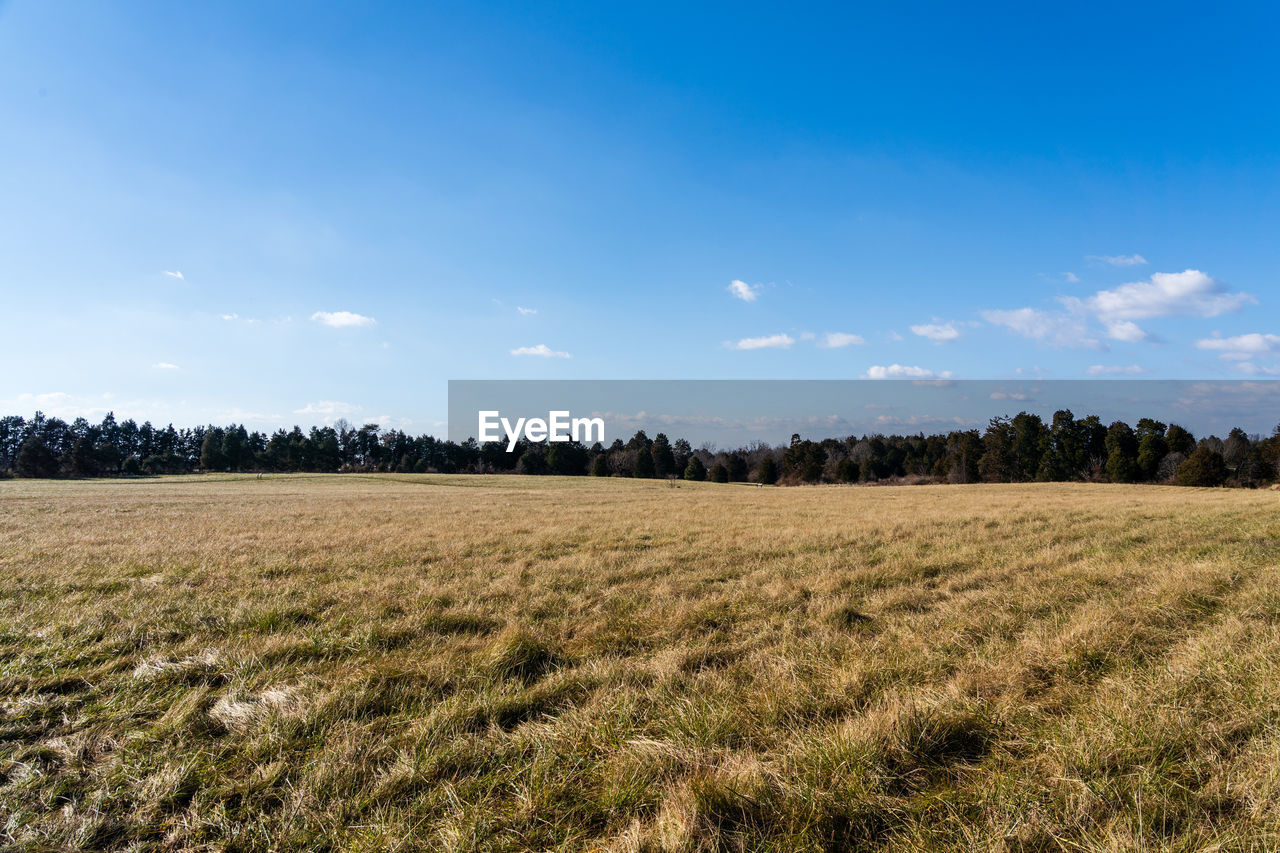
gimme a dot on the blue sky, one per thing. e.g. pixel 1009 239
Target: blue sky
pixel 360 201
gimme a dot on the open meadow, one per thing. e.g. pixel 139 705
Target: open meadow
pixel 392 662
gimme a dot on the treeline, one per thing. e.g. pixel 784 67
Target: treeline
pixel 1022 448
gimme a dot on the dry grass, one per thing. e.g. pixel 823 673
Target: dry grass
pixel 480 663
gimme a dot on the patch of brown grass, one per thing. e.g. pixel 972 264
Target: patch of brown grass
pixel 504 663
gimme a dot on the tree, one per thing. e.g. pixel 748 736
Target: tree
pixel 1029 441
pixel 532 462
pixel 848 470
pixel 695 470
pixel 567 458
pixel 804 459
pixel 998 463
pixel 84 459
pixel 644 463
pixel 211 458
pixel 600 465
pixel 1122 453
pixel 964 450
pixel 664 460
pixel 1236 449
pixel 1204 467
pixel 35 459
pixel 1149 426
pixel 1253 469
pixel 768 470
pixel 1151 449
pixel 1178 440
pixel 680 452
pixel 1063 457
pixel 719 473
pixel 815 459
pixel 235 448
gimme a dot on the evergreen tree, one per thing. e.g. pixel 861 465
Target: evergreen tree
pixel 1178 440
pixel 719 473
pixel 680 452
pixel 84 460
pixel 1204 467
pixel 768 471
pixel 1151 449
pixel 644 464
pixel 600 465
pixel 664 460
pixel 998 463
pixel 1122 453
pixel 1029 441
pixel 695 470
pixel 532 462
pixel 35 459
pixel 211 458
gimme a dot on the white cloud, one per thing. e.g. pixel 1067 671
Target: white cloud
pixel 836 340
pixel 94 407
pixel 164 365
pixel 1126 330
pixel 526 311
pixel 902 371
pixel 1251 369
pixel 807 336
pixel 1187 293
pixel 230 316
pixel 742 290
pixel 1241 347
pixel 1118 260
pixel 1115 370
pixel 1071 278
pixel 328 408
pixel 174 274
pixel 1052 328
pixel 939 333
pixel 765 342
pixel 541 350
pixel 342 319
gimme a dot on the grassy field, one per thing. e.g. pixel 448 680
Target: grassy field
pixel 505 663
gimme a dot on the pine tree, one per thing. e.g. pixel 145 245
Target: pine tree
pixel 695 470
pixel 1122 453
pixel 84 461
pixel 35 459
pixel 1205 467
pixel 768 472
pixel 644 464
pixel 664 460
pixel 211 458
